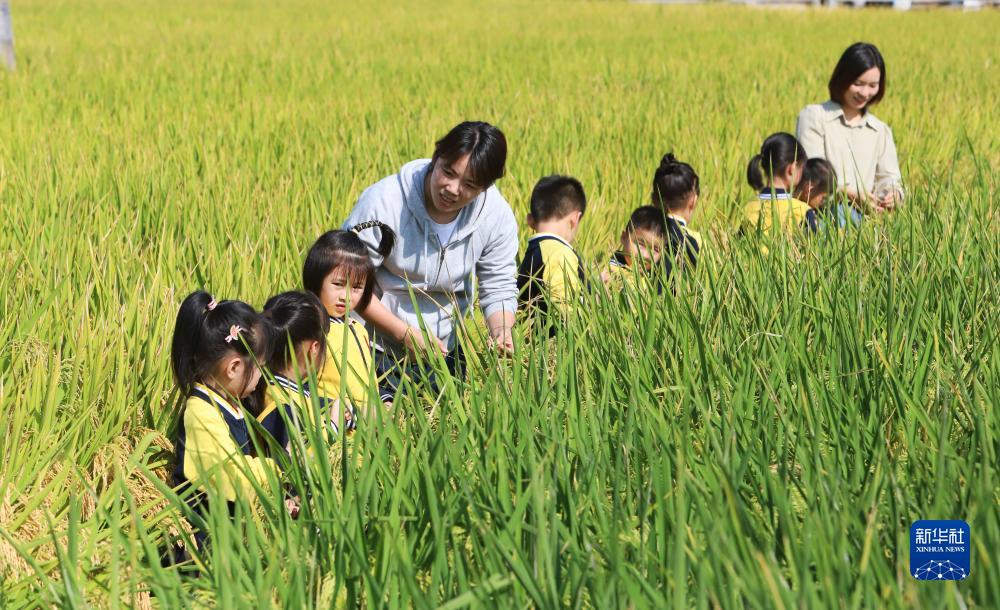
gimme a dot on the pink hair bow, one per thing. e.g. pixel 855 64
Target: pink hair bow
pixel 234 333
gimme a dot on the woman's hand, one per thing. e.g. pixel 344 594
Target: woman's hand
pixel 411 337
pixel 500 325
pixel 416 344
pixel 890 201
pixel 503 342
pixel 866 202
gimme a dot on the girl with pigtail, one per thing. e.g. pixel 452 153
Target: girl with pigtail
pixel 774 173
pixel 300 328
pixel 339 271
pixel 216 348
pixel 676 188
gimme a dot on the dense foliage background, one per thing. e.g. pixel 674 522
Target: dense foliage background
pixel 764 438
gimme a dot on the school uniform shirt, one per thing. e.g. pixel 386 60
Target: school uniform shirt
pixel 549 272
pixel 212 432
pixel 288 405
pixel 682 245
pixel 348 362
pixel 776 209
pixel 620 272
pixel 628 280
pixel 863 154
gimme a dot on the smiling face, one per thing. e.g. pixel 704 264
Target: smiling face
pixel 642 248
pixel 864 88
pixel 341 292
pixel 448 188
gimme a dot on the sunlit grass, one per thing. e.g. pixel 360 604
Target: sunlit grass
pixel 762 439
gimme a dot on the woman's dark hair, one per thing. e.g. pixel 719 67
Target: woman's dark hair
pixel 820 175
pixel 295 317
pixel 859 58
pixel 342 248
pixel 485 145
pixel 200 334
pixel 778 152
pixel 673 183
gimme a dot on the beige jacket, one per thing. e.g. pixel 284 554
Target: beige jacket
pixel 864 154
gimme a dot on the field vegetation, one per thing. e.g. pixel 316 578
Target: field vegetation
pixel 764 438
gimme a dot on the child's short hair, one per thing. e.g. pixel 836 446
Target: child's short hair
pixel 295 317
pixel 342 248
pixel 820 174
pixel 673 183
pixel 207 330
pixel 556 196
pixel 649 219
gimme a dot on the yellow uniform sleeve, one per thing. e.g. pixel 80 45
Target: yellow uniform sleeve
pixel 212 458
pixel 561 274
pixel 348 362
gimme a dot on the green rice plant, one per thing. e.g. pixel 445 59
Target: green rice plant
pixel 761 436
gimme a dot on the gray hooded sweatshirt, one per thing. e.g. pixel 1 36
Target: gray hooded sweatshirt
pixel 442 277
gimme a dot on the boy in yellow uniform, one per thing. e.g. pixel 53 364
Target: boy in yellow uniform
pixel 550 271
pixel 642 245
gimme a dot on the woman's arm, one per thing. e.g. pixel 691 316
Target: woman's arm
pixel 809 133
pixel 388 324
pixel 888 178
pixel 497 271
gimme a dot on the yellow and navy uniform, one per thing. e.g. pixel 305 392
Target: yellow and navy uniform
pixel 213 431
pixel 288 404
pixel 348 362
pixel 775 209
pixel 549 272
pixel 681 246
pixel 620 272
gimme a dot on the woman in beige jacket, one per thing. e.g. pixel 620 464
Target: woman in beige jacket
pixel 843 131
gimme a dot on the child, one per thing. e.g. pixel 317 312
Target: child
pixel 819 181
pixel 300 330
pixel 774 172
pixel 215 349
pixel 642 244
pixel 339 272
pixel 675 191
pixel 550 270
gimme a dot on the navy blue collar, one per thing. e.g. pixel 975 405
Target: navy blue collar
pixel 773 193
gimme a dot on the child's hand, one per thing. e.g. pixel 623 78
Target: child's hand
pixel 605 276
pixel 292 505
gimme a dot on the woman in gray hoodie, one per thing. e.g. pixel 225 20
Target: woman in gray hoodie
pixel 454 233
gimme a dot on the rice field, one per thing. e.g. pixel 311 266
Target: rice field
pixel 762 439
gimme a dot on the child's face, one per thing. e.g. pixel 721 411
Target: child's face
pixel 339 292
pixel 238 375
pixel 309 356
pixel 642 248
pixel 812 195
